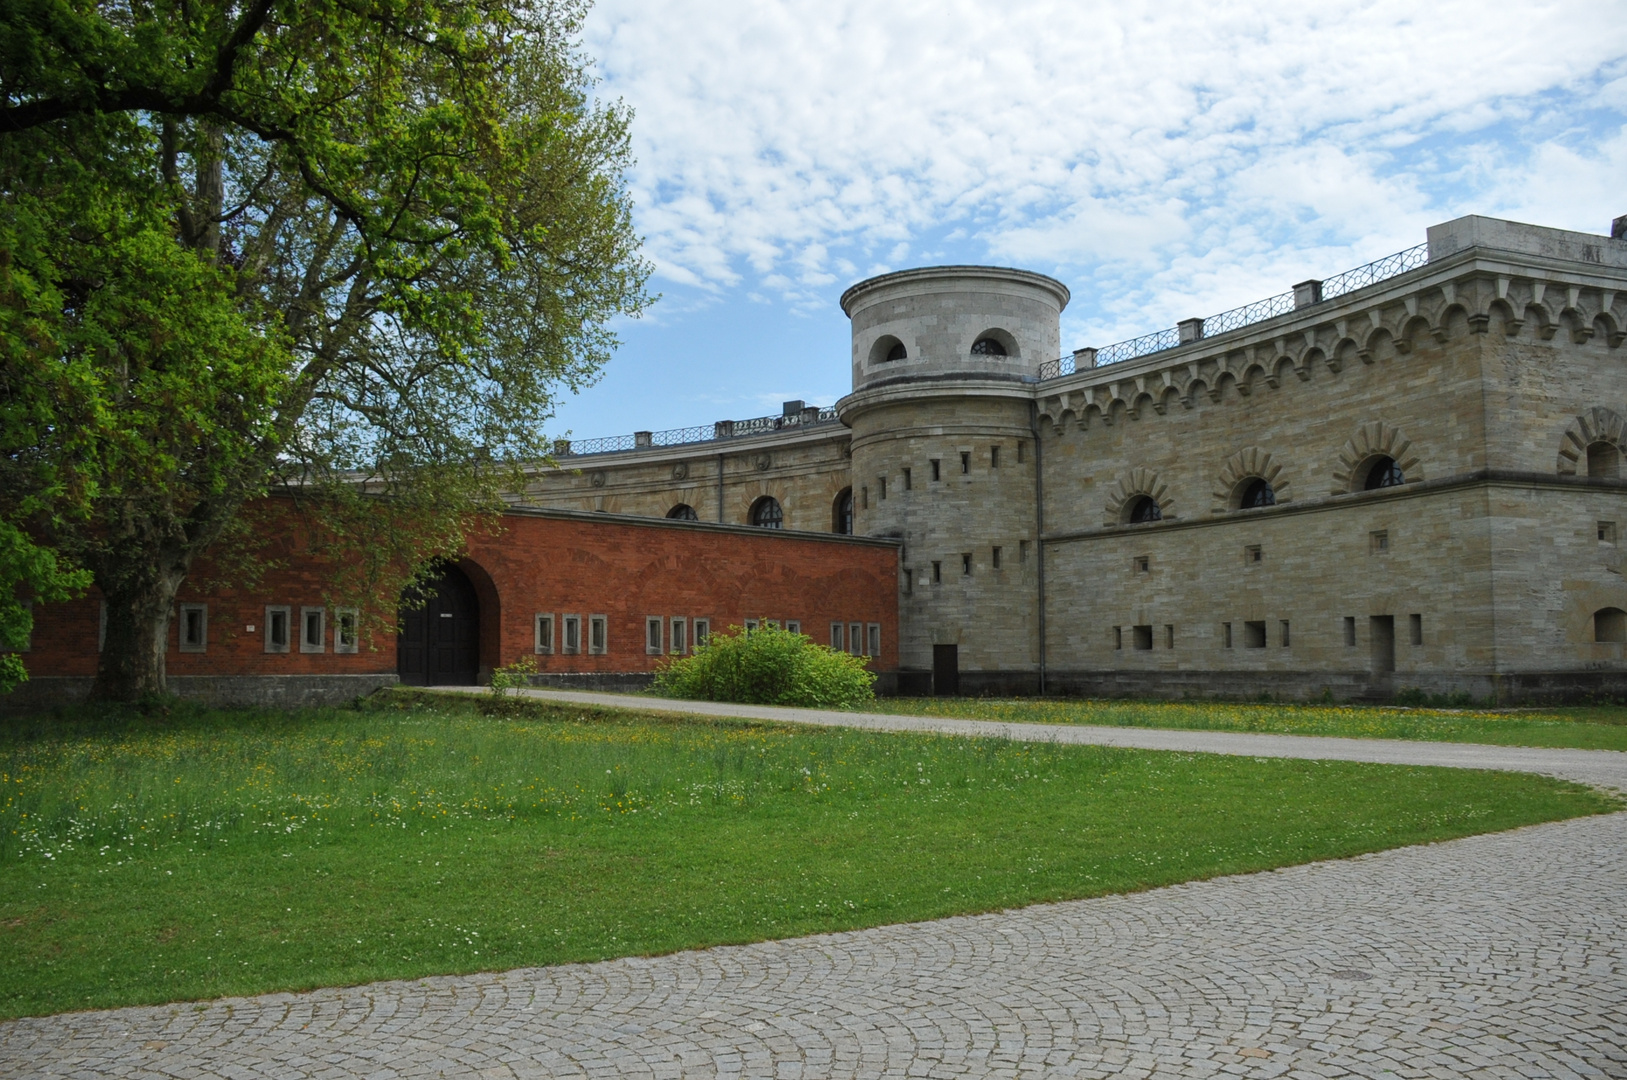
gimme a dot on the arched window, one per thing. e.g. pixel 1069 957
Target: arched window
pixel 1257 493
pixel 898 352
pixel 1383 473
pixel 683 512
pixel 766 513
pixel 1145 509
pixel 1604 459
pixel 987 346
pixel 842 513
pixel 1610 624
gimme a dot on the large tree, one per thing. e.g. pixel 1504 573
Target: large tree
pixel 347 248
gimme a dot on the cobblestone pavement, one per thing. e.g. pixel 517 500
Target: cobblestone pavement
pixel 1493 956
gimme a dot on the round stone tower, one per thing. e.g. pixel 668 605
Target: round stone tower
pixel 944 364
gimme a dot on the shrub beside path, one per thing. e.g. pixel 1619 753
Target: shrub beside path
pixel 1497 956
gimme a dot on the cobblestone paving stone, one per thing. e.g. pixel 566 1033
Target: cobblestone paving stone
pixel 1493 956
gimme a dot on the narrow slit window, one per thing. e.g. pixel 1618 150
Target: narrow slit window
pixel 1225 635
pixel 994 557
pixel 837 637
pixel 545 635
pixel 1252 554
pixel 1022 551
pixel 855 638
pixel 935 469
pixel 598 634
pixel 678 636
pixel 1350 630
pixel 864 497
pixel 1379 541
pixel 994 457
pixel 965 462
pixel 703 632
pixel 1020 445
pixel 346 630
pixel 1118 637
pixel 907 484
pixel 881 487
pixel 652 635
pixel 571 638
pixel 1169 635
pixel 276 629
pixel 966 564
pixel 937 572
pixel 1283 626
pixel 194 628
pixel 873 632
pixel 1416 624
pixel 313 630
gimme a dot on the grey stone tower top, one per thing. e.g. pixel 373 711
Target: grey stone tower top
pixel 946 322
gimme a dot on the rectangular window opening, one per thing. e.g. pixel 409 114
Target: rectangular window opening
pixel 855 638
pixel 598 634
pixel 277 629
pixel 881 487
pixel 1143 637
pixel 965 563
pixel 678 637
pixel 1020 444
pixel 793 626
pixel 937 573
pixel 751 624
pixel 1118 637
pixel 346 630
pixel 873 633
pixel 864 497
pixel 908 483
pixel 1607 532
pixel 1225 635
pixel 934 463
pixel 838 640
pixel 652 634
pixel 1254 634
pixel 313 625
pixel 572 637
pixel 1252 554
pixel 1022 551
pixel 1142 564
pixel 1379 541
pixel 194 628
pixel 544 637
pixel 703 632
pixel 994 557
pixel 1169 635
pixel 1416 625
pixel 965 462
pixel 1350 630
pixel 1283 626
pixel 994 457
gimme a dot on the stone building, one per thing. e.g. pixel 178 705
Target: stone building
pixel 1408 475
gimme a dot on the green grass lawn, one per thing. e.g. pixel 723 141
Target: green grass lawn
pixel 204 853
pixel 1585 728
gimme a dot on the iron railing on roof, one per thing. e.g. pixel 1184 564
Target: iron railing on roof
pixel 810 416
pixel 1303 295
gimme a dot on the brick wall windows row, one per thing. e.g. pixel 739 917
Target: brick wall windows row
pixel 283 628
pixel 856 638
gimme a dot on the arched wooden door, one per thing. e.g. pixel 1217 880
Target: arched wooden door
pixel 440 641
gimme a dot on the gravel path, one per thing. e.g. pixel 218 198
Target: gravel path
pixel 1494 956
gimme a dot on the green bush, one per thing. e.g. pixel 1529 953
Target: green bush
pixel 767 667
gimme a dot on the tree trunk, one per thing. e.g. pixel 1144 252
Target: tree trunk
pixel 139 591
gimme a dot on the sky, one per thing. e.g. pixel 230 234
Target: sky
pixel 1162 160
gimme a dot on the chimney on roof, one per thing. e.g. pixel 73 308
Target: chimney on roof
pixel 790 408
pixel 1618 228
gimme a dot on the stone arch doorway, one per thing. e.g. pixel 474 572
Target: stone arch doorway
pixel 440 641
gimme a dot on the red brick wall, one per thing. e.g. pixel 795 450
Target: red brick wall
pixel 623 568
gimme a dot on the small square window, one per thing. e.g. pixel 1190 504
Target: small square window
pixel 965 462
pixel 937 573
pixel 194 631
pixel 935 469
pixel 1283 626
pixel 703 632
pixel 1254 634
pixel 678 636
pixel 1225 635
pixel 838 637
pixel 1169 636
pixel 873 634
pixel 966 563
pixel 1379 542
pixel 1142 564
pixel 793 626
pixel 907 484
pixel 544 639
pixel 750 625
pixel 994 557
pixel 1417 626
pixel 1143 637
pixel 346 630
pixel 994 457
pixel 1251 554
pixel 1350 630
pixel 570 635
pixel 313 627
pixel 1607 532
pixel 598 634
pixel 277 630
pixel 652 635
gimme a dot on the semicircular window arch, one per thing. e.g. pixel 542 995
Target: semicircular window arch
pixel 766 513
